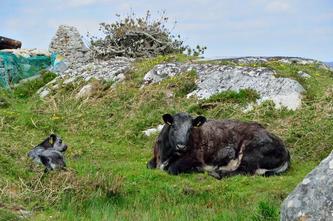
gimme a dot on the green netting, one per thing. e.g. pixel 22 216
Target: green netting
pixel 14 68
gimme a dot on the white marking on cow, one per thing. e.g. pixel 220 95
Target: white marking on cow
pixel 209 168
pixel 261 171
pixel 164 164
pixel 279 169
pixel 231 166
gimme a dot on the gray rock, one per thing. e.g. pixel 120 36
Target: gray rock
pixel 69 80
pixel 155 130
pixel 218 78
pixel 86 91
pixel 24 214
pixel 113 69
pixel 44 93
pixel 303 74
pixel 312 199
pixel 119 78
pixel 260 59
pixel 282 59
pixel 162 71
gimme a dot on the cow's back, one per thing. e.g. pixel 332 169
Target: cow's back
pixel 215 135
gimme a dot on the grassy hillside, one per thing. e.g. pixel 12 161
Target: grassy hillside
pixel 107 177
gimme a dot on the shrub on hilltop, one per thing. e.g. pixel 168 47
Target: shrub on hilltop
pixel 136 37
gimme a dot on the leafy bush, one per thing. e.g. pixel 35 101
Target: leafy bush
pixel 138 37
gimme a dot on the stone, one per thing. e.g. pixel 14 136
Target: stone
pixel 24 214
pixel 152 131
pixel 119 78
pixel 113 69
pixel 312 199
pixel 85 92
pixel 303 74
pixel 282 59
pixel 292 101
pixel 212 79
pixel 44 93
pixel 69 80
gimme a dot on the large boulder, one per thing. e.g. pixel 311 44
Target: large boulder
pixel 312 199
pixel 219 78
pixel 68 43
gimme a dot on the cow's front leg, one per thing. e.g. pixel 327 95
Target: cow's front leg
pixel 185 164
pixel 151 164
pixel 218 174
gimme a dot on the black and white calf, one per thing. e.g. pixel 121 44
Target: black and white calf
pixel 223 148
pixel 50 153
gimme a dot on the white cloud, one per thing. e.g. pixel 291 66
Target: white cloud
pixel 278 6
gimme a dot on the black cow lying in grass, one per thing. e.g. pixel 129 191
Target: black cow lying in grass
pixel 223 148
pixel 50 153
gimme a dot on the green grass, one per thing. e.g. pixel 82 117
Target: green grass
pixel 242 96
pixel 107 177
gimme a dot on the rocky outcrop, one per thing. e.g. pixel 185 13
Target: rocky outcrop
pixel 113 69
pixel 282 59
pixel 218 78
pixel 68 43
pixel 312 199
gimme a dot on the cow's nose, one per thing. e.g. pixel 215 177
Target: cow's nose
pixel 180 147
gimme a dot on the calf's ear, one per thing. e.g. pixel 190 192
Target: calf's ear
pixel 53 138
pixel 168 119
pixel 47 143
pixel 198 121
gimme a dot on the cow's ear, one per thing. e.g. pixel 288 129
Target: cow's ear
pixel 168 119
pixel 198 121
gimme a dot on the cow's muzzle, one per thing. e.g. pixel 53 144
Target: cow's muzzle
pixel 181 147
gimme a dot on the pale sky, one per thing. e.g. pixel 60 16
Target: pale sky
pixel 227 27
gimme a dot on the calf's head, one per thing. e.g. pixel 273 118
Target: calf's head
pixel 52 141
pixel 180 127
pixel 57 143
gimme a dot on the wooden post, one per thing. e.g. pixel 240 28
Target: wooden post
pixel 7 43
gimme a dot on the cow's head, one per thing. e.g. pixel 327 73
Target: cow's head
pixel 180 126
